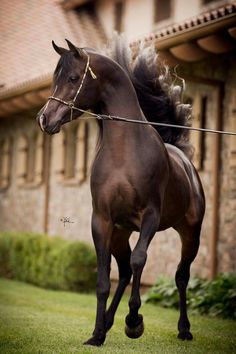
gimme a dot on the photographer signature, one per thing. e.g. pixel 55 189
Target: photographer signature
pixel 66 220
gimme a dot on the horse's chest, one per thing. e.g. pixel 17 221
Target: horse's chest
pixel 116 192
pixel 122 191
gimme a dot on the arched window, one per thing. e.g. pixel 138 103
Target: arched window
pixel 118 15
pixel 232 121
pixel 5 159
pixel 58 147
pixel 30 159
pixel 70 152
pixel 81 151
pixel 22 160
pixel 38 155
pixel 162 10
pixel 199 107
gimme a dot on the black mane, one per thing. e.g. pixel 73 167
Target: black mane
pixel 159 97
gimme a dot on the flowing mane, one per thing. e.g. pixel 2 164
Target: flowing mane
pixel 159 97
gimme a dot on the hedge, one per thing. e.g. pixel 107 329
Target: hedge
pixel 213 297
pixel 49 262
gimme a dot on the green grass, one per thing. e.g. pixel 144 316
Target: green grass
pixel 34 320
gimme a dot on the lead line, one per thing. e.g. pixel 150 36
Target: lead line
pixel 126 120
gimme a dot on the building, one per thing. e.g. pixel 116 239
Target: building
pixel 44 180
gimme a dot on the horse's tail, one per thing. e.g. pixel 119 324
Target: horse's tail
pixel 159 97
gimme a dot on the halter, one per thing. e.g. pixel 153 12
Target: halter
pixel 72 107
pixel 71 104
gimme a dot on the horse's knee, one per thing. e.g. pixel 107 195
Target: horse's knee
pixel 103 291
pixel 182 278
pixel 182 274
pixel 126 280
pixel 138 260
pixel 125 273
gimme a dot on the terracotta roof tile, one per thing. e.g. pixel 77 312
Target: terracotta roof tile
pixel 193 22
pixel 27 29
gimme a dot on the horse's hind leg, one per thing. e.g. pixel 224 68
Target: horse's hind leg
pixel 120 249
pixel 190 236
pixel 134 321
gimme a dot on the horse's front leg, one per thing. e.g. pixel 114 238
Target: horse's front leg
pixel 120 249
pixel 134 321
pixel 101 231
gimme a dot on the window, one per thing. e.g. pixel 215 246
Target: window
pixel 70 153
pixel 162 10
pixel 38 157
pixel 5 159
pixel 205 2
pixel 58 154
pixel 198 138
pixel 22 158
pixel 76 4
pixel 232 111
pixel 70 149
pixel 81 151
pixel 30 159
pixel 118 16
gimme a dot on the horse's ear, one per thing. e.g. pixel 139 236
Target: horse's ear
pixel 77 51
pixel 59 50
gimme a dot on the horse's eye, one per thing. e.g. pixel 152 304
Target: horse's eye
pixel 73 79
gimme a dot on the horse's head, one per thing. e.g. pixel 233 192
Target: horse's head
pixel 74 85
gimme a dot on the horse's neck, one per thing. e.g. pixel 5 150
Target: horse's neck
pixel 120 100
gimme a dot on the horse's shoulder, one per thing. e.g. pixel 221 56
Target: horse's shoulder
pixel 177 154
pixel 179 161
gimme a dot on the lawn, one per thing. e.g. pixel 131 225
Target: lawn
pixel 34 320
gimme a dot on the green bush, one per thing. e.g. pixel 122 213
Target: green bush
pixel 49 262
pixel 216 297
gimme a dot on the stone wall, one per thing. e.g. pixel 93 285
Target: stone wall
pixel 22 208
pixel 222 69
pixel 70 199
pixel 226 251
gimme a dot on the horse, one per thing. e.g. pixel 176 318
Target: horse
pixel 142 178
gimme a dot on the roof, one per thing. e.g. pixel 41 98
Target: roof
pixel 28 28
pixel 193 24
pixel 212 32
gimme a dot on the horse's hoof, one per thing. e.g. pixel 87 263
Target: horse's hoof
pixel 95 341
pixel 185 335
pixel 134 331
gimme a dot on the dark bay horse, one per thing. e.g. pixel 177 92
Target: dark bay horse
pixel 141 179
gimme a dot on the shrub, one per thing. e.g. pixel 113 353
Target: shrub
pixel 49 262
pixel 216 297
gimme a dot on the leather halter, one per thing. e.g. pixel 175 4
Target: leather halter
pixel 72 107
pixel 71 104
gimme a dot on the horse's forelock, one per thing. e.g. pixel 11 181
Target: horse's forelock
pixel 63 68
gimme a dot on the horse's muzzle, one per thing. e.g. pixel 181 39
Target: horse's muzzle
pixel 41 119
pixel 48 128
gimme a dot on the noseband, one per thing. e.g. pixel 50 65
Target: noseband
pixel 71 104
